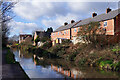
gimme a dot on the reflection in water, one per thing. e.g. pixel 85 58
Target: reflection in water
pixel 85 72
pixel 74 72
pixel 35 71
pixel 70 73
pixel 35 62
pixel 20 55
pixel 37 67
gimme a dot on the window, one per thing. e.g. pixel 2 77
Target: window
pixel 64 32
pixel 61 33
pixel 78 28
pixel 75 30
pixel 105 23
pixel 67 32
pixel 58 33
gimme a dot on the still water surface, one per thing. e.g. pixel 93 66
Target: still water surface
pixel 36 68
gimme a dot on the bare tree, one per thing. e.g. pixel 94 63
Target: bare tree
pixel 5 16
pixel 92 33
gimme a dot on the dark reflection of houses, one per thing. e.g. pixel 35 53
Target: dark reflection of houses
pixel 88 73
pixel 24 54
pixel 40 61
pixel 75 72
pixel 70 73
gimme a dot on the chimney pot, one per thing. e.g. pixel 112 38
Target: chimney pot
pixel 65 23
pixel 108 10
pixel 72 21
pixel 94 14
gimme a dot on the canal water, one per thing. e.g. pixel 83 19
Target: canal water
pixel 36 67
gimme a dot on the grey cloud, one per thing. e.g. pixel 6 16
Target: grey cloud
pixel 57 13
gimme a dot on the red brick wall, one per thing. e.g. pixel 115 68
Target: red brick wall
pixel 117 27
pixel 55 35
pixel 109 28
pixel 73 31
pixel 112 26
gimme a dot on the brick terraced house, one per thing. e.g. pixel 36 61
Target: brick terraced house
pixel 110 22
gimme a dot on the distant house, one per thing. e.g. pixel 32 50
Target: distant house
pixel 110 22
pixel 40 34
pixel 25 38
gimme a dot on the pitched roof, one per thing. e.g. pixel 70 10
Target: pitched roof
pixel 21 35
pixel 38 32
pixel 97 18
pixel 66 27
pixel 102 17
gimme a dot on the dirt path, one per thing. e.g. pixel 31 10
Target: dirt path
pixel 12 71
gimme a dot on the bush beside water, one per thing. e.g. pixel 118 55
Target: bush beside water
pixel 10 57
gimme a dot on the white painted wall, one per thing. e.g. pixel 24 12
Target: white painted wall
pixel 75 40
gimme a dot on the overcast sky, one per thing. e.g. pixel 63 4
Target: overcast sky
pixel 34 15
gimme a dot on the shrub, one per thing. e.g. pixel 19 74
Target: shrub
pixel 66 41
pixel 116 49
pixel 106 64
pixel 61 52
pixel 116 66
pixel 44 39
pixel 17 44
pixel 82 61
pixel 10 58
pixel 47 45
pixel 73 56
pixel 109 64
pixel 40 52
pixel 58 50
pixel 98 61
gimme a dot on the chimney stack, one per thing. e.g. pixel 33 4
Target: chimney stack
pixel 65 23
pixel 108 10
pixel 72 21
pixel 94 14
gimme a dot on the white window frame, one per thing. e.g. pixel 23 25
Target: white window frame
pixel 67 32
pixel 61 33
pixel 78 28
pixel 75 30
pixel 64 32
pixel 105 23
